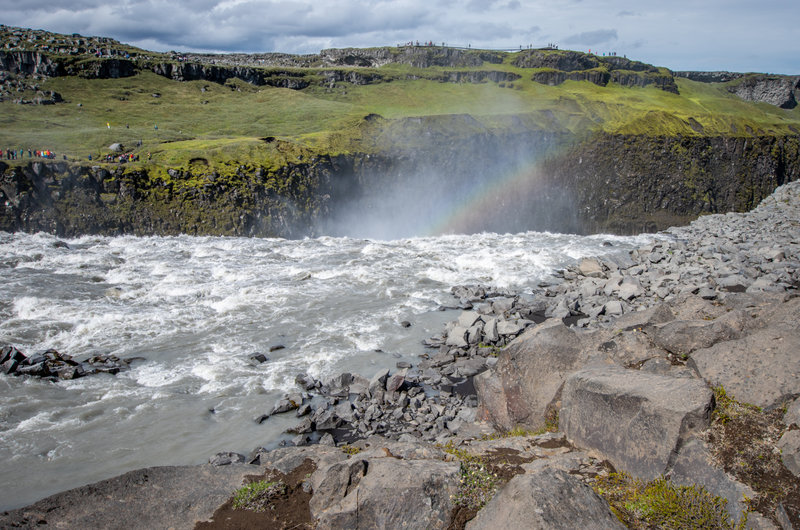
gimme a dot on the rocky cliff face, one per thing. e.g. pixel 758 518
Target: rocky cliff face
pixel 629 184
pixel 710 77
pixel 558 66
pixel 30 63
pixel 781 91
pixel 71 199
pixel 619 184
pixel 416 56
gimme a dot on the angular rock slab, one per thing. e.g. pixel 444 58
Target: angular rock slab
pixel 636 420
pixel 528 375
pixel 762 368
pixel 395 493
pixel 549 498
pixel 156 497
pixel 789 446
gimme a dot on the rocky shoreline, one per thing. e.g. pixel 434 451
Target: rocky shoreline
pixel 626 357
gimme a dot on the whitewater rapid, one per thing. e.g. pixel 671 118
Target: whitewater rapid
pixel 195 309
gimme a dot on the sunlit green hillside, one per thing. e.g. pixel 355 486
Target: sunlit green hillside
pixel 178 121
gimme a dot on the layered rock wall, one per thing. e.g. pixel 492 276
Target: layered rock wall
pixel 621 184
pixel 631 184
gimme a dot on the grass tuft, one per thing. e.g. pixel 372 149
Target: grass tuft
pixel 258 496
pixel 661 504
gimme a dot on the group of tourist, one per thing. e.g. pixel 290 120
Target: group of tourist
pixel 19 154
pixel 123 158
pixel 14 154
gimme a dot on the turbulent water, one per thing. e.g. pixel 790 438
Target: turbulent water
pixel 196 309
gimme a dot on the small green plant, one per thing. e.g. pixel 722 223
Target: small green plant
pixel 494 351
pixel 258 496
pixel 350 449
pixel 727 408
pixel 477 485
pixel 461 454
pixel 661 504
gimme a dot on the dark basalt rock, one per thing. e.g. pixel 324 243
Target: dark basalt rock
pixel 54 365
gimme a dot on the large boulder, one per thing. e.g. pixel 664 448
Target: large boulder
pixel 544 499
pixel 528 375
pixel 762 368
pixel 636 420
pixel 682 337
pixel 386 493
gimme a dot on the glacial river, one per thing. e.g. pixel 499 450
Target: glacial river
pixel 196 309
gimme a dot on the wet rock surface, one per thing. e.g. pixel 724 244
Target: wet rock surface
pixel 52 365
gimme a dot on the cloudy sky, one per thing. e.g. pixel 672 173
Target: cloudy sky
pixel 737 35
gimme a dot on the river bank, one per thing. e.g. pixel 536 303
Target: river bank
pixel 710 305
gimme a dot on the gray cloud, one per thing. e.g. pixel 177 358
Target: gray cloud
pixel 732 34
pixel 592 38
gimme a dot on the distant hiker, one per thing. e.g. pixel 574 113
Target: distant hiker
pixel 155 127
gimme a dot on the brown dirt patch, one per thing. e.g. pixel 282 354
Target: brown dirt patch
pixel 290 509
pixel 744 440
pixel 505 457
pixel 505 464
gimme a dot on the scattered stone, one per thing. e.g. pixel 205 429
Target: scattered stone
pixel 258 358
pixel 53 365
pixel 305 381
pixel 285 404
pixel 591 267
pixel 225 459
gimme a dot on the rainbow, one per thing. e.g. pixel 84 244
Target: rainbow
pixel 488 199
